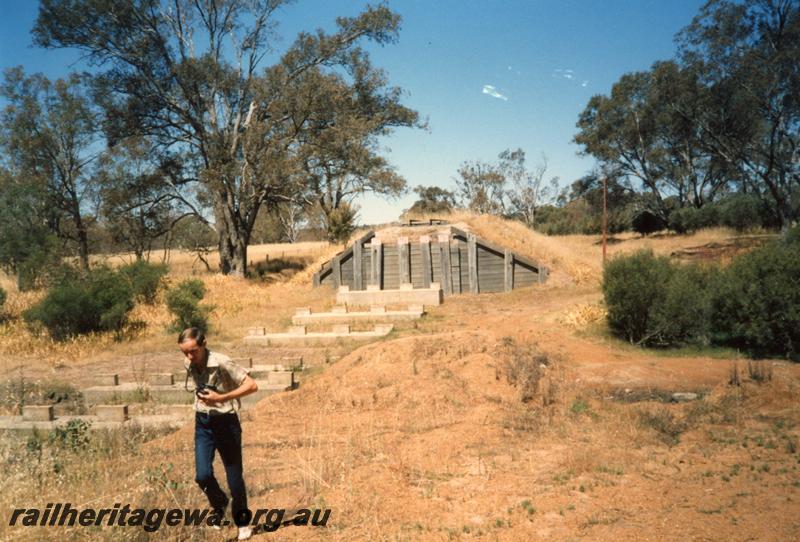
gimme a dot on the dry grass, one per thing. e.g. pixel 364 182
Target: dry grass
pixel 237 304
pixel 183 262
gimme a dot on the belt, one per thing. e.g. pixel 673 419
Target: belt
pixel 215 414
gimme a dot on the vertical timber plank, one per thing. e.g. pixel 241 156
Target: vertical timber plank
pixel 337 271
pixel 444 258
pixel 376 269
pixel 425 251
pixel 358 281
pixel 472 262
pixel 403 261
pixel 508 266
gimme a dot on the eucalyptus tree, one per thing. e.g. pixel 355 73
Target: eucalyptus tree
pixel 748 56
pixel 49 139
pixel 189 74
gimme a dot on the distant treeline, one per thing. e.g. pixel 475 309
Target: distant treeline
pixel 710 137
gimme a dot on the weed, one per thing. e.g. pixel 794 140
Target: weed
pixel 579 406
pixel 527 505
pixel 524 366
pixel 759 371
pixel 734 379
pixel 74 436
pixel 664 423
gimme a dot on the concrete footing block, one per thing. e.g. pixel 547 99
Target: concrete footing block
pixel 107 380
pixel 296 330
pixel 406 286
pixel 243 362
pixel 37 413
pixel 417 296
pixel 292 361
pixel 161 379
pixel 339 309
pixel 256 331
pixel 373 288
pixel 302 311
pixel 111 413
pixel 416 308
pixel 281 378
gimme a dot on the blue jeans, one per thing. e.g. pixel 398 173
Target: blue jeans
pixel 224 434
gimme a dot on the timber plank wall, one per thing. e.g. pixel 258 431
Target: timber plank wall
pixel 475 265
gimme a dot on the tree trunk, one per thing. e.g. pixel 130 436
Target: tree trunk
pixel 233 240
pixel 83 243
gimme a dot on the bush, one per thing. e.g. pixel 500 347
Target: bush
pixel 342 222
pixel 684 312
pixel 743 212
pixel 646 222
pixel 183 301
pixel 792 235
pixel 632 286
pixel 757 301
pixel 651 301
pixel 144 279
pixel 3 297
pixel 98 301
pixel 691 219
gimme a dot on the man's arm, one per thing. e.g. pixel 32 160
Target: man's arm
pixel 247 387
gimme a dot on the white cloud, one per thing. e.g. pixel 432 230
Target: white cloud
pixel 584 83
pixel 491 91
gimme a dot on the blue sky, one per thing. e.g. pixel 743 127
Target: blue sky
pixel 487 75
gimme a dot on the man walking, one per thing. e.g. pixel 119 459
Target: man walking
pixel 220 383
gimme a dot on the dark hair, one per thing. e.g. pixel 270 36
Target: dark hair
pixel 192 333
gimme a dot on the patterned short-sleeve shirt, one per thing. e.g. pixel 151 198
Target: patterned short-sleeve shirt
pixel 222 373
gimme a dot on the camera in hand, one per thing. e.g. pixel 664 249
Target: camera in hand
pixel 202 388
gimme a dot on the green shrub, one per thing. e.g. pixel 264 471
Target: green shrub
pixel 145 279
pixel 646 222
pixel 632 286
pixel 743 212
pixel 652 301
pixel 691 219
pixel 756 301
pixel 42 267
pixel 341 223
pixel 98 301
pixel 683 313
pixel 792 235
pixel 184 302
pixel 3 297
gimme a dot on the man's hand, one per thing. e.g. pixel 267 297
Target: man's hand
pixel 211 398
